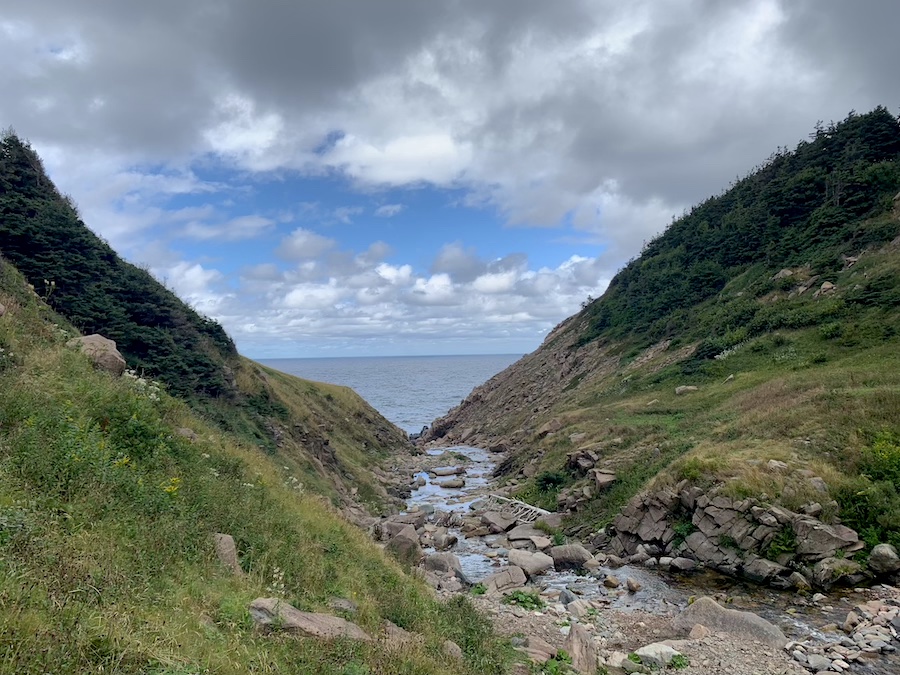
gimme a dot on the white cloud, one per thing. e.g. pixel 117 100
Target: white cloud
pixel 236 229
pixel 304 244
pixel 389 210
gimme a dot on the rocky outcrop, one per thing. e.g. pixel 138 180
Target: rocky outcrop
pixel 709 613
pixel 761 542
pixel 274 613
pixel 101 351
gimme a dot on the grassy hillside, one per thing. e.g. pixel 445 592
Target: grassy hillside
pixel 106 514
pixel 789 282
pixel 329 436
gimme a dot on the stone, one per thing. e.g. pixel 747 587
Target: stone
pixel 566 596
pixel 775 465
pixel 506 580
pixel 523 533
pixel 579 609
pixel 799 581
pixel 633 585
pixel 453 483
pixel 537 649
pixel 2 309
pixel 443 562
pixel 404 546
pixel 683 564
pixel 496 522
pixel 831 571
pixel 444 541
pixel 816 540
pixel 699 632
pixel 684 389
pixel 101 351
pixel 551 520
pixel 603 480
pixel 274 613
pixel 540 543
pixel 818 662
pixel 397 638
pixel 762 571
pixel 851 622
pixel 884 559
pixel 189 434
pixel 343 605
pixel 656 655
pixel 444 471
pixel 611 581
pixel 717 618
pixel 580 647
pixel 531 563
pixel 452 650
pixel 226 552
pixel 570 556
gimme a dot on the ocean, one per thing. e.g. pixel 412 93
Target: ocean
pixel 410 391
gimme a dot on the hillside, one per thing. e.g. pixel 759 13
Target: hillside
pixel 752 351
pixel 110 491
pixel 327 434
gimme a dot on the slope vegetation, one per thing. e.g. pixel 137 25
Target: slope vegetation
pixel 107 508
pixel 329 436
pixel 762 325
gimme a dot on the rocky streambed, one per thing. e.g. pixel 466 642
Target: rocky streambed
pixel 595 606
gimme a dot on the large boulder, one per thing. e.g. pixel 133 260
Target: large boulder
pixel 581 648
pixel 497 522
pixel 711 614
pixel 837 572
pixel 226 552
pixel 816 540
pixel 884 559
pixel 404 546
pixel 102 351
pixel 523 533
pixel 531 563
pixel 570 556
pixel 276 613
pixel 453 483
pixel 443 562
pixel 506 580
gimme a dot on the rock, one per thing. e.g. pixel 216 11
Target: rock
pixel 551 520
pixel 2 309
pixel 684 389
pixel 497 523
pixel 656 655
pixel 851 622
pixel 550 427
pixel 633 585
pixel 102 351
pixel 452 650
pixel 816 540
pixel 444 541
pixel 611 581
pixel 566 596
pixel 226 552
pixel 397 638
pixel 570 556
pixel 579 609
pixel 531 563
pixel 717 618
pixel 538 650
pixel 523 533
pixel 404 546
pixel 799 581
pixel 683 564
pixel 817 662
pixel 343 605
pixel 511 578
pixel 831 571
pixel 762 571
pixel 540 543
pixel 443 562
pixel 775 465
pixel 275 613
pixel 603 480
pixel 453 483
pixel 782 274
pixel 189 434
pixel 580 647
pixel 884 559
pixel 449 471
pixel 699 632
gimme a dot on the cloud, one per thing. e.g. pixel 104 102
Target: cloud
pixel 303 244
pixel 345 214
pixel 236 229
pixel 389 210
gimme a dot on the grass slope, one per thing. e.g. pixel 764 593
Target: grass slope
pixel 816 370
pixel 106 564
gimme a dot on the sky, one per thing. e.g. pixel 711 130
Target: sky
pixel 351 178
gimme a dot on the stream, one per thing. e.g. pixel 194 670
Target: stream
pixel 661 593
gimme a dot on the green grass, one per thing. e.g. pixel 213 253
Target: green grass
pixel 106 515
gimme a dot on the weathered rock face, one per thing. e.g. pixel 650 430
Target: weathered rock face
pixel 746 538
pixel 102 351
pixel 276 613
pixel 709 613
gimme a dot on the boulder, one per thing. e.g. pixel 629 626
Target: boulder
pixel 506 580
pixel 523 533
pixel 443 562
pixel 581 648
pixel 443 471
pixel 2 309
pixel 837 571
pixel 656 655
pixel 816 540
pixel 884 559
pixel 444 541
pixel 570 556
pixel 708 612
pixel 275 613
pixel 226 552
pixel 551 520
pixel 497 522
pixel 452 650
pixel 762 571
pixel 399 638
pixel 538 650
pixel 453 483
pixel 684 389
pixel 531 563
pixel 404 546
pixel 540 543
pixel 102 351
pixel 603 480
pixel 579 608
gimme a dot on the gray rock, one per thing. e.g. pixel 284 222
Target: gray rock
pixel 566 596
pixel 719 619
pixel 274 613
pixel 884 559
pixel 570 556
pixel 443 562
pixel 404 546
pixel 683 564
pixel 452 650
pixel 444 541
pixel 818 662
pixel 523 533
pixel 832 571
pixel 453 483
pixel 762 571
pixel 684 389
pixel 101 351
pixel 816 540
pixel 580 646
pixel 656 655
pixel 506 580
pixel 531 563
pixel 496 522
pixel 633 585
pixel 226 552
pixel 2 309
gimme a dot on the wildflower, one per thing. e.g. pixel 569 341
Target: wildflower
pixel 172 486
pixel 122 461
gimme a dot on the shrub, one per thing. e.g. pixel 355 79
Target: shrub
pixel 529 600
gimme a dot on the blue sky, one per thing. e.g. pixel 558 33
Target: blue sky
pixel 358 178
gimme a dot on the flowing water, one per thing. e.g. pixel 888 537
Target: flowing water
pixel 660 593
